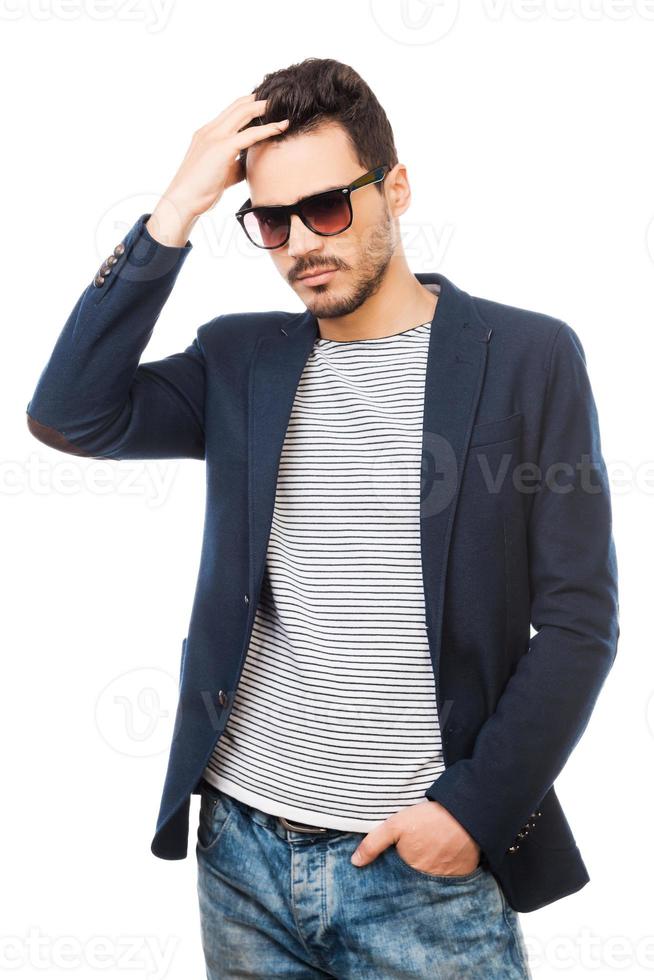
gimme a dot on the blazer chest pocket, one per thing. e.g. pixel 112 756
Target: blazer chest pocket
pixel 497 430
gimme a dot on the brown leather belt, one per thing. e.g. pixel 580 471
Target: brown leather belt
pixel 305 828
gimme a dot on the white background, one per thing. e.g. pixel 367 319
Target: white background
pixel 526 129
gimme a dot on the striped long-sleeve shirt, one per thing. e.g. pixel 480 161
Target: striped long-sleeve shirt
pixel 335 718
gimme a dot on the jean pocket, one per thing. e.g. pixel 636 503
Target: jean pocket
pixel 445 879
pixel 213 818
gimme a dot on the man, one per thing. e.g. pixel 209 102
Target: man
pixel 401 481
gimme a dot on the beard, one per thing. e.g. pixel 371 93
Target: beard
pixel 371 268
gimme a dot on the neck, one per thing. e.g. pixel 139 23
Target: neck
pixel 401 302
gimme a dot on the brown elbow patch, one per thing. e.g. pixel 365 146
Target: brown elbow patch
pixel 51 437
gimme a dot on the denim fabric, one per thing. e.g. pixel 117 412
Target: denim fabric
pixel 282 903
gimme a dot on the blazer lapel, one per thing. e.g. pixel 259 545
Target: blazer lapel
pixel 456 363
pixel 275 372
pixel 455 370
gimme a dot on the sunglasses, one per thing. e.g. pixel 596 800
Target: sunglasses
pixel 327 213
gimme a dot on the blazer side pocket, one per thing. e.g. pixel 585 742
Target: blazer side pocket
pixel 497 430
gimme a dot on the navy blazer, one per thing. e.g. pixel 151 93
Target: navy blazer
pixel 515 531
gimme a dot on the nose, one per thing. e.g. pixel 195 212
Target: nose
pixel 301 239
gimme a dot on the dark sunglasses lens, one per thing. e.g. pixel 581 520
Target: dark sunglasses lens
pixel 266 227
pixel 328 213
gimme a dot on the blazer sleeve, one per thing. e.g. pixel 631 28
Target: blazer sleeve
pixel 93 397
pixel 547 702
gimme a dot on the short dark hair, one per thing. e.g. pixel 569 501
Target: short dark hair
pixel 320 90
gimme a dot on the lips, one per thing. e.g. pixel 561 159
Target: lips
pixel 314 273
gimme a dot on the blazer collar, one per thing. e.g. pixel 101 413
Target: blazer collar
pixel 455 306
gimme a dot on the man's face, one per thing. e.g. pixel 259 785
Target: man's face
pixel 284 172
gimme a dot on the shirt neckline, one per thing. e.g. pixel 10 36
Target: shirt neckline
pixel 372 340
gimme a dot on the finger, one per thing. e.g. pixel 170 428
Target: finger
pixel 255 133
pixel 375 842
pixel 236 115
pixel 235 173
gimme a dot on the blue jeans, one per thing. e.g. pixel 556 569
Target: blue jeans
pixel 281 903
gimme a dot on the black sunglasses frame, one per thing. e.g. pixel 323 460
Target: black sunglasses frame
pixel 286 210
